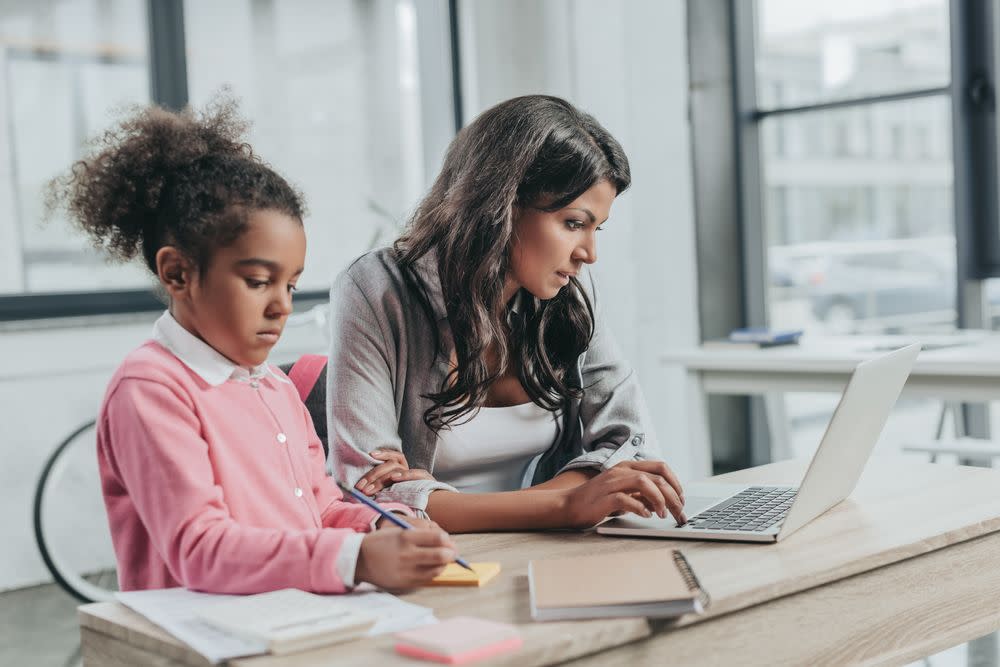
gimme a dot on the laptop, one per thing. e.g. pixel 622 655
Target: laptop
pixel 764 513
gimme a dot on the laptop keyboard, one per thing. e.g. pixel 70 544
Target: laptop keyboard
pixel 754 509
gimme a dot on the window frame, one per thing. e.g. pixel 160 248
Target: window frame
pixel 169 88
pixel 976 203
pixel 974 151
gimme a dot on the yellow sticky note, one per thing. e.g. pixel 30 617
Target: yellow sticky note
pixel 456 575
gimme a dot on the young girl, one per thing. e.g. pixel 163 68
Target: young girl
pixel 471 374
pixel 211 470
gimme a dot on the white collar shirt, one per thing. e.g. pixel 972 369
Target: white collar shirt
pixel 202 358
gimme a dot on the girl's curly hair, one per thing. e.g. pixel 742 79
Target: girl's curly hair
pixel 160 177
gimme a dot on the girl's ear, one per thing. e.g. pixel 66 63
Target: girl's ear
pixel 174 271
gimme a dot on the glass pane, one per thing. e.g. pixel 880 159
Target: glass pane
pixel 333 91
pixel 64 68
pixel 858 218
pixel 809 52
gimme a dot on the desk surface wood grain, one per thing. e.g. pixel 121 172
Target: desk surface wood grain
pixel 899 511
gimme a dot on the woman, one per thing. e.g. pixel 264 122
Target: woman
pixel 470 373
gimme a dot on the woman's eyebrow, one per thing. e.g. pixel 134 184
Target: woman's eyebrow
pixel 591 216
pixel 586 211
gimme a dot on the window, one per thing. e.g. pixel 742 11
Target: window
pixel 848 192
pixel 333 90
pixel 856 219
pixel 64 68
pixel 817 52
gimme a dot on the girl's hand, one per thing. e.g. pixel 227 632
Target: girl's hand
pixel 393 469
pixel 397 559
pixel 642 487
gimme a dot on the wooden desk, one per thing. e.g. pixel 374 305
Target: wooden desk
pixel 903 568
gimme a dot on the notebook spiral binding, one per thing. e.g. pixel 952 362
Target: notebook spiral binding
pixel 691 579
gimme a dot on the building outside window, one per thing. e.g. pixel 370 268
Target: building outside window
pixel 332 89
pixel 853 109
pixel 65 67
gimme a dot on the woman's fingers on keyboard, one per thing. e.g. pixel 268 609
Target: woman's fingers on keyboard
pixel 674 502
pixel 622 502
pixel 660 469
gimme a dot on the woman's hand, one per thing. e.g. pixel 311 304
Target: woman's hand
pixel 415 522
pixel 393 468
pixel 397 559
pixel 642 487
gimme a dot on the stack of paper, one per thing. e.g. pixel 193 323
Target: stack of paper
pixel 289 620
pixel 178 611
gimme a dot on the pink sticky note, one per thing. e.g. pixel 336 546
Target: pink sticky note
pixel 458 640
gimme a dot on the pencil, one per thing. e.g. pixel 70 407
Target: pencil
pixel 396 519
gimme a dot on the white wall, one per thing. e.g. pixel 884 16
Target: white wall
pixel 10 237
pixel 626 64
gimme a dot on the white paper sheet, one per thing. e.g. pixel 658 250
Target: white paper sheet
pixel 176 611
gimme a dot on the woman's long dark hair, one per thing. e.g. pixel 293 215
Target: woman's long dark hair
pixel 537 152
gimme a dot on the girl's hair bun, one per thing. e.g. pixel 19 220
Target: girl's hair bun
pixel 161 177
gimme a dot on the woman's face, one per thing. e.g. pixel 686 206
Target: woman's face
pixel 551 246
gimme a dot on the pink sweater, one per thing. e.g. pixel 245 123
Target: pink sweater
pixel 217 488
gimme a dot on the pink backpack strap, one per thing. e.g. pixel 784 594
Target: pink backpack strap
pixel 306 371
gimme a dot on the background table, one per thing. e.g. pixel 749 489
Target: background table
pixel 967 370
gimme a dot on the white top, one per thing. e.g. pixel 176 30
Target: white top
pixel 495 450
pixel 204 359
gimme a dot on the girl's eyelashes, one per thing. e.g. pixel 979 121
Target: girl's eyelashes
pixel 253 283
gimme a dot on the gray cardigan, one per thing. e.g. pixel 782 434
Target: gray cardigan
pixel 383 363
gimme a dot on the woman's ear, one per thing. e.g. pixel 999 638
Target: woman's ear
pixel 174 271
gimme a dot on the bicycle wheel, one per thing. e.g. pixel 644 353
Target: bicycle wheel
pixel 71 526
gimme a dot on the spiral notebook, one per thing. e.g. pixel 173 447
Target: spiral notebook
pixel 655 583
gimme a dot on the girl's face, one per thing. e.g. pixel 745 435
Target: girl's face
pixel 551 246
pixel 239 305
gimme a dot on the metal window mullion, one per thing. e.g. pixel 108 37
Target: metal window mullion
pixel 440 87
pixel 167 55
pixel 760 114
pixel 456 64
pixel 750 217
pixel 974 147
pixel 76 304
pixel 974 156
pixel 747 131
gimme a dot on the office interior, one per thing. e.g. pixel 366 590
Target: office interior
pixel 797 164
